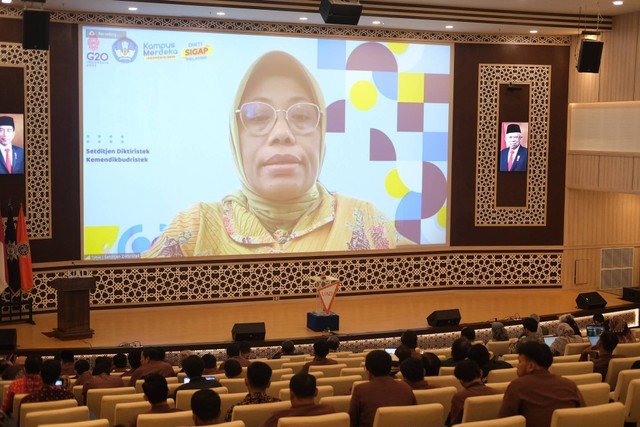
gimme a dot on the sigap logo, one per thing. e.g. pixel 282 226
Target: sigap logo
pixel 125 50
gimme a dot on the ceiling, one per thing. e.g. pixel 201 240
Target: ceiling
pixel 549 17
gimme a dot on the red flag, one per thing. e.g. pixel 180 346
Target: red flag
pixel 24 254
pixel 4 271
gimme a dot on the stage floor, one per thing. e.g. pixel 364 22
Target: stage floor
pixel 211 323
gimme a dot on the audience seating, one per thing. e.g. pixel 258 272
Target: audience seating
pixel 170 419
pixel 445 381
pixel 619 394
pixel 255 415
pixel 429 415
pixel 275 387
pixel 502 375
pixel 295 366
pixel 173 387
pixel 501 387
pixel 499 347
pixel 226 402
pixel 328 370
pixel 276 374
pixel 362 371
pixel 298 358
pixel 323 391
pixel 234 385
pixel 43 406
pixel 566 358
pixel 632 403
pixel 125 412
pixel 508 357
pixel 183 397
pixel 351 362
pixel 329 420
pixel 273 363
pixel 341 385
pixel 591 378
pixel 231 424
pixel 339 403
pixel 441 395
pixel 180 376
pixel 576 348
pixel 95 395
pixel 446 352
pixel 609 414
pixel 513 362
pixel 287 377
pixel 17 399
pixel 125 380
pixel 480 408
pixel 595 394
pixel 93 423
pixel 572 368
pixel 108 407
pixel 628 349
pixel 63 415
pixel 515 421
pixel 446 370
pixel 4 386
pixel 615 366
pixel 335 354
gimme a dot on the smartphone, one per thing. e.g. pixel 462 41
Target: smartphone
pixel 58 383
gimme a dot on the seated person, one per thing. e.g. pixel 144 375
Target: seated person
pixel 619 326
pixel 303 390
pixel 499 332
pixel 598 320
pixel 381 390
pixel 232 369
pixel 194 367
pixel 479 354
pixel 155 390
pixel 565 335
pixel 205 405
pixel 66 362
pixel 287 348
pixel 468 333
pixel 601 353
pixel 536 393
pixel 210 365
pixel 258 381
pixel 569 320
pixel 541 329
pixel 135 361
pixel 15 368
pixel 83 372
pixel 529 334
pixel 470 376
pixel 459 352
pixel 402 353
pixel 431 364
pixel 50 373
pixel 119 363
pixel 409 340
pixel 233 352
pixel 245 350
pixel 334 343
pixel 152 362
pixel 101 378
pixel 320 351
pixel 413 374
pixel 30 383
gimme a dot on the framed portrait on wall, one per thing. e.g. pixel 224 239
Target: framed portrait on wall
pixel 11 144
pixel 513 146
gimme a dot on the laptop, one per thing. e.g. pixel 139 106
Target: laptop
pixel 548 340
pixel 593 333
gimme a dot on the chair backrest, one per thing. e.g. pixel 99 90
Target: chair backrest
pixel 181 376
pixel 500 387
pixel 234 385
pixel 594 394
pixel 502 375
pixel 275 387
pixel 183 397
pixel 169 419
pixel 567 358
pixel 328 370
pixel 295 366
pixel 63 415
pixel 572 368
pixel 108 407
pixel 630 349
pixel 273 363
pixel 339 403
pixel 351 362
pixel 44 406
pixel 585 378
pixel 231 424
pixel 632 402
pixel 92 423
pixel 515 421
pixel 622 385
pixel 329 420
pixel 446 370
pixel 323 391
pixel 429 415
pixel 441 395
pixel 124 413
pixel 499 347
pixel 444 381
pixel 610 414
pixel 255 415
pixel 362 371
pixel 615 366
pixel 287 377
pixel 276 374
pixel 298 358
pixel 509 356
pixel 77 393
pixel 226 402
pixel 4 386
pixel 575 348
pixel 341 385
pixel 480 408
pixel 138 385
pixel 95 395
pixel 17 400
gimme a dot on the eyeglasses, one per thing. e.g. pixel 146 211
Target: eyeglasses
pixel 258 118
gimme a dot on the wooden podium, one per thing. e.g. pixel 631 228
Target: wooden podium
pixel 73 307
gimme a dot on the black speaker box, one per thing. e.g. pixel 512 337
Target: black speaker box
pixel 35 29
pixel 589 57
pixel 340 12
pixel 8 340
pixel 590 300
pixel 631 294
pixel 444 317
pixel 248 331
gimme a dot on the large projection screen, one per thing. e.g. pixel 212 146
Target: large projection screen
pixel 159 173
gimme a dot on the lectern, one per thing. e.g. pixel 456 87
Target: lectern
pixel 73 307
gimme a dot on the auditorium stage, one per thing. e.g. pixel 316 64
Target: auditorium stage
pixel 197 325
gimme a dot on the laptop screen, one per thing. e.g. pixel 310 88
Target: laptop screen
pixel 594 340
pixel 594 330
pixel 549 340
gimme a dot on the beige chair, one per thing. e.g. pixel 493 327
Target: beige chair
pixel 585 378
pixel 231 424
pixel 93 423
pixel 64 415
pixel 95 395
pixel 515 421
pixel 125 412
pixel 273 363
pixel 4 386
pixel 172 380
pixel 234 385
pixel 632 403
pixel 108 406
pixel 341 385
pixel 169 419
pixel 287 377
pixel 446 370
pixel 351 362
pixel 275 387
pixel 17 400
pixel 276 374
pixel 628 349
pixel 77 393
pixel 595 394
pixel 339 403
pixel 572 368
pixel 429 415
pixel 255 415
pixel 480 408
pixel 362 371
pixel 576 348
pixel 610 415
pixel 499 347
pixel 615 366
pixel 181 376
pixel 328 370
pixel 295 366
pixel 441 395
pixel 622 385
pixel 445 381
pixel 329 420
pixel 502 375
pixel 298 358
pixel 226 402
pixel 501 387
pixel 183 397
pixel 513 362
pixel 566 358
pixel 508 357
pixel 323 391
pixel 446 352
pixel 44 406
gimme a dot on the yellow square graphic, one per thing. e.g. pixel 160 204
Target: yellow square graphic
pixel 411 87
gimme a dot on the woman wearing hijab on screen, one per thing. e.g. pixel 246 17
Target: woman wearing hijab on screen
pixel 278 128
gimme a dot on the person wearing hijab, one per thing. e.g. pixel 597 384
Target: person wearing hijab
pixel 566 335
pixel 278 125
pixel 498 332
pixel 619 327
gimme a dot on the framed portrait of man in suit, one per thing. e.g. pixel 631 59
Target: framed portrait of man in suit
pixel 513 146
pixel 11 144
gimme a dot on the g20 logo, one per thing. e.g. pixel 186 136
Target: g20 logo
pixel 98 56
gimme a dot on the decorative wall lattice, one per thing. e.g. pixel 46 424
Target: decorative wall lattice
pixel 36 68
pixel 490 77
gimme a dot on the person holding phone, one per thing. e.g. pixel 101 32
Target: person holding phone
pixel 50 373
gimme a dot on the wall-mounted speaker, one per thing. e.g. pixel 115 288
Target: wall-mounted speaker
pixel 590 300
pixel 8 340
pixel 589 56
pixel 444 318
pixel 35 29
pixel 340 11
pixel 248 331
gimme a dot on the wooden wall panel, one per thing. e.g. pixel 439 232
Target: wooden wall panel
pixel 619 56
pixel 582 171
pixel 614 173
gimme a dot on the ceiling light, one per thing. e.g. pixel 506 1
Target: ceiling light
pixel 220 13
pixel 533 31
pixel 376 22
pixel 449 27
pixel 133 8
pixel 617 3
pixel 303 18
